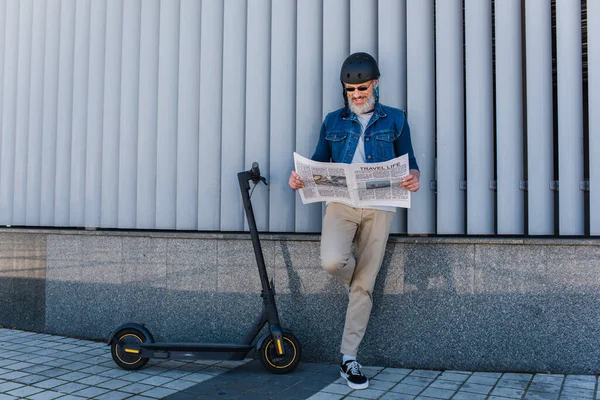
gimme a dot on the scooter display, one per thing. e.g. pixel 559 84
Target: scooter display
pixel 132 344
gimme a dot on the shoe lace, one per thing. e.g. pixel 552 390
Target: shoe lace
pixel 354 368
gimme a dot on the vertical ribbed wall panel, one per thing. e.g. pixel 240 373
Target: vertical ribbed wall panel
pixel 570 117
pixel 336 47
pixel 593 14
pixel 95 115
pixel 2 35
pixel 309 81
pixel 128 117
pixel 187 125
pixel 139 114
pixel 509 131
pixel 22 123
pixel 480 129
pixel 282 116
pixel 9 112
pixel 363 14
pixel 392 65
pixel 33 179
pixel 420 109
pixel 3 11
pixel 209 153
pixel 147 115
pixel 233 117
pixel 540 161
pixel 109 205
pixel 79 126
pixel 48 161
pixel 64 119
pixel 166 140
pixel 450 119
pixel 258 73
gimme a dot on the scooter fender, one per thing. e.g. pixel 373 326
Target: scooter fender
pixel 266 335
pixel 131 325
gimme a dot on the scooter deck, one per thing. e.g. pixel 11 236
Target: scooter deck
pixel 189 351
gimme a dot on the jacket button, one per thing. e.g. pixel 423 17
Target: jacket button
pixel 368 156
pixel 366 139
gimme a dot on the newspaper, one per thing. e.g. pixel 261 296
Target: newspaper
pixel 358 185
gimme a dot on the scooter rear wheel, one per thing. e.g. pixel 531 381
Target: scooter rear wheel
pixel 123 359
pixel 277 364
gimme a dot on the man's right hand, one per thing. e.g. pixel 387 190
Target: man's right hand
pixel 295 182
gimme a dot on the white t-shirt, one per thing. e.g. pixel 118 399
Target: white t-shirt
pixel 359 154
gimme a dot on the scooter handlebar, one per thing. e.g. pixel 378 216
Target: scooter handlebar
pixel 255 174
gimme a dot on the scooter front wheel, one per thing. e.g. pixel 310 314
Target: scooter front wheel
pixel 122 358
pixel 277 364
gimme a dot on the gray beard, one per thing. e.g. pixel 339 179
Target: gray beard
pixel 358 110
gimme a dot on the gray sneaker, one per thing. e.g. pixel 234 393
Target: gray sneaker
pixel 350 370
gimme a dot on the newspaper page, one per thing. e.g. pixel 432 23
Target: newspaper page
pixel 358 185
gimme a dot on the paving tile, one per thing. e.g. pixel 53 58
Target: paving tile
pixel 74 376
pixel 336 388
pixel 425 373
pixel 512 393
pixel 544 387
pixel 580 383
pixel 469 396
pixel 418 380
pixel 325 396
pixel 34 369
pixel 24 391
pixel 54 372
pixel 114 395
pixel 91 392
pixel 30 379
pixel 454 376
pixel 549 378
pixel 367 394
pixel 46 395
pixel 448 385
pixel 159 392
pixel 509 383
pixel 396 396
pixel 577 392
pixel 8 386
pixel 70 387
pixel 94 369
pixel 381 385
pixel 407 389
pixel 9 376
pixel 178 384
pixel 113 384
pixel 136 388
pixel 437 393
pixel 541 396
pixel 156 381
pixel 387 376
pixel 197 377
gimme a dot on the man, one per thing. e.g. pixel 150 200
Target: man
pixel 362 131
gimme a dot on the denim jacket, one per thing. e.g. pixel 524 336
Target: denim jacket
pixel 387 136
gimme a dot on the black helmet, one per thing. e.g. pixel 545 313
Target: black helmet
pixel 359 68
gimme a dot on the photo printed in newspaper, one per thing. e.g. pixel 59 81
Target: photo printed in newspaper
pixel 358 185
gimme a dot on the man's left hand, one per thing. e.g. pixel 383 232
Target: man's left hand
pixel 411 182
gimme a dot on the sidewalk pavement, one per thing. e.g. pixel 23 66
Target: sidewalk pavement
pixel 43 367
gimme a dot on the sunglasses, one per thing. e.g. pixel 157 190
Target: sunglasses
pixel 362 88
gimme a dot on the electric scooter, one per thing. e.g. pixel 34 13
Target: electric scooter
pixel 132 344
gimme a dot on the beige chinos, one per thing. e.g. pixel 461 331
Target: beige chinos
pixel 369 229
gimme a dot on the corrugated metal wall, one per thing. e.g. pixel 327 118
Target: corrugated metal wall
pixel 139 113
